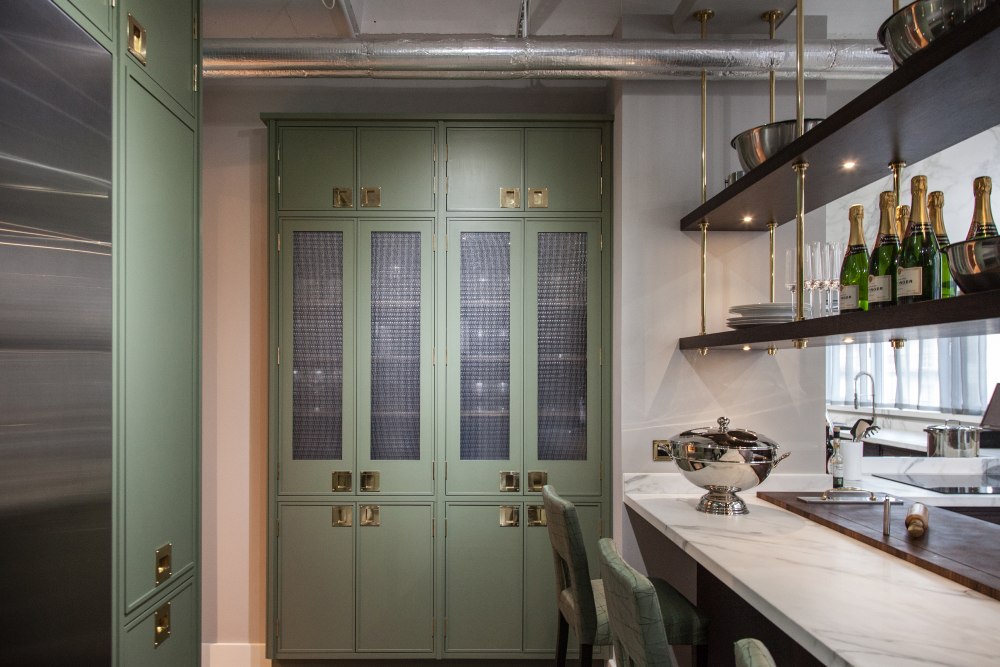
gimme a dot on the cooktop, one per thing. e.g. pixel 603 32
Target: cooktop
pixel 987 482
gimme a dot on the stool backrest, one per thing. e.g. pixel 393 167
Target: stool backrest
pixel 570 557
pixel 634 613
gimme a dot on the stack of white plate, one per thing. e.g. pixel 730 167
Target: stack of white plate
pixel 755 314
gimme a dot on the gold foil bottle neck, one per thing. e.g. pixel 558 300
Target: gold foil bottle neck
pixel 887 214
pixel 935 207
pixel 902 219
pixel 982 185
pixel 918 203
pixel 856 215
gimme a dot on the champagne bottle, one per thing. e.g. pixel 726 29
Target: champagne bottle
pixel 854 269
pixel 982 215
pixel 885 256
pixel 935 208
pixel 902 222
pixel 918 276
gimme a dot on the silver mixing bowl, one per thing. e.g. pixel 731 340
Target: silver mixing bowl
pixel 724 461
pixel 755 145
pixel 975 265
pixel 915 26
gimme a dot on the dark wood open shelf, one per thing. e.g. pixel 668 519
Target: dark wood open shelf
pixel 942 95
pixel 965 315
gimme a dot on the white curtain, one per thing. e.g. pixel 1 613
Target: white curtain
pixel 951 375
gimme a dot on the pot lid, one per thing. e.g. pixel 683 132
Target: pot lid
pixel 725 437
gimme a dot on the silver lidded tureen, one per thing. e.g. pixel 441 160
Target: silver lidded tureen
pixel 724 461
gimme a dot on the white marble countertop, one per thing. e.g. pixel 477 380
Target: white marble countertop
pixel 843 601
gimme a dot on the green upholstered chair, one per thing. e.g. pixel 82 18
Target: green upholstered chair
pixel 752 653
pixel 647 616
pixel 580 601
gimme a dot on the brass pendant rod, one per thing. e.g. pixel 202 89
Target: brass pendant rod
pixel 704 275
pixel 771 226
pixel 704 16
pixel 800 238
pixel 771 17
pixel 800 82
pixel 897 177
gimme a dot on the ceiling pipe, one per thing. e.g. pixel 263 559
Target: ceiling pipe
pixel 536 58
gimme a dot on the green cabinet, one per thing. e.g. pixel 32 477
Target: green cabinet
pixel 347 585
pixel 431 371
pixel 97 12
pixel 161 38
pixel 365 168
pixel 524 374
pixel 548 169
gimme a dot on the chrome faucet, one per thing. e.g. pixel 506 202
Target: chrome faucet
pixel 871 428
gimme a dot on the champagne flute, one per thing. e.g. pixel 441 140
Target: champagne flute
pixel 791 279
pixel 835 256
pixel 821 264
pixel 809 281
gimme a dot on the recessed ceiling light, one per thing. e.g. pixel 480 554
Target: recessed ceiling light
pixel 746 348
pixel 848 339
pixel 747 218
pixel 849 165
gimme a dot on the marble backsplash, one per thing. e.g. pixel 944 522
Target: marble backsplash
pixel 951 171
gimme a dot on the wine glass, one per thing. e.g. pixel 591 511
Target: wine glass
pixel 835 257
pixel 791 279
pixel 810 281
pixel 823 276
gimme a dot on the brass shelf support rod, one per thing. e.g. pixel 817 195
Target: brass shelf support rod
pixel 897 177
pixel 800 168
pixel 772 17
pixel 703 17
pixel 771 226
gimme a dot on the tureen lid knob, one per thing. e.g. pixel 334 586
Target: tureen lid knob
pixel 723 424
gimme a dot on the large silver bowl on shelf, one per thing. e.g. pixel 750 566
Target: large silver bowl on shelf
pixel 975 265
pixel 918 24
pixel 757 144
pixel 724 461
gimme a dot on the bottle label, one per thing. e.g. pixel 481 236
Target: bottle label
pixel 879 289
pixel 848 297
pixel 909 281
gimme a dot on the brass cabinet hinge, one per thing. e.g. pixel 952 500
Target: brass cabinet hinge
pixel 600 243
pixel 113 4
pixel 279 355
pixel 602 153
pixel 434 356
pixel 279 184
pixel 279 241
pixel 433 470
pixel 194 77
pixel 435 153
pixel 434 242
pixel 600 356
pixel 279 151
pixel 433 527
pixel 602 186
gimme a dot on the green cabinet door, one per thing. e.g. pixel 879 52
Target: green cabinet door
pixel 166 636
pixel 315 578
pixel 316 169
pixel 484 374
pixel 316 363
pixel 482 165
pixel 562 351
pixel 395 357
pixel 483 578
pixel 566 164
pixel 396 168
pixel 158 296
pixel 168 43
pixel 540 611
pixel 395 578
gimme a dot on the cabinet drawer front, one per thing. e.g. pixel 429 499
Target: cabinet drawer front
pixel 481 163
pixel 166 636
pixel 168 43
pixel 399 162
pixel 313 164
pixel 567 162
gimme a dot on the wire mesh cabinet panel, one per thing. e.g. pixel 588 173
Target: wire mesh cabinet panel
pixel 316 357
pixel 395 449
pixel 562 356
pixel 484 344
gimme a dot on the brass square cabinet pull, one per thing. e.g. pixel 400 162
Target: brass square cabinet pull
pixel 536 516
pixel 164 563
pixel 510 481
pixel 371 516
pixel 161 625
pixel 341 481
pixel 510 197
pixel 137 40
pixel 510 516
pixel 371 197
pixel 537 479
pixel 370 480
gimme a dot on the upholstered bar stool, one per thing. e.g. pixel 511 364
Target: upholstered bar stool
pixel 647 616
pixel 752 653
pixel 580 601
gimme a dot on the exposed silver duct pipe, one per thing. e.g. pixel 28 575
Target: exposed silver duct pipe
pixel 535 58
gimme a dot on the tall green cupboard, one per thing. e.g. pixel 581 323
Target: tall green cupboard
pixel 440 310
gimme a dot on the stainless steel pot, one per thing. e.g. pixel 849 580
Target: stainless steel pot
pixel 952 440
pixel 724 461
pixel 757 144
pixel 918 24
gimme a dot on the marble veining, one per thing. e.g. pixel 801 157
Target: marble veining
pixel 843 601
